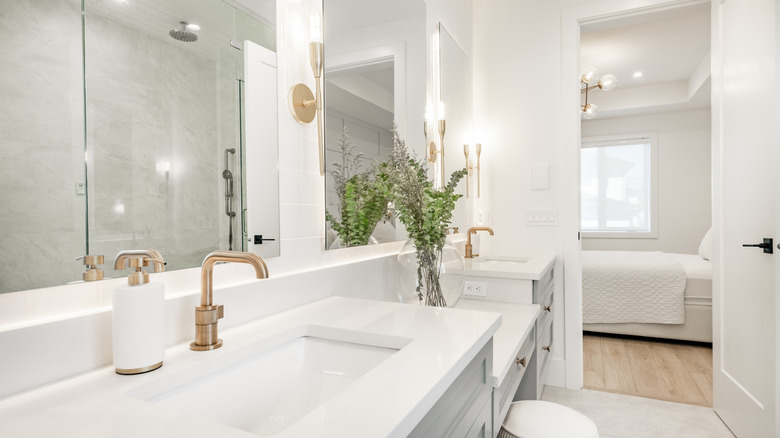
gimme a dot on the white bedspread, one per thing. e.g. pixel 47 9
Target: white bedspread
pixel 632 286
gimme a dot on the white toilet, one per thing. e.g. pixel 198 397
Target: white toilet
pixel 543 419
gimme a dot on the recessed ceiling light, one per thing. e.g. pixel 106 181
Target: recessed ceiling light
pixel 192 26
pixel 638 74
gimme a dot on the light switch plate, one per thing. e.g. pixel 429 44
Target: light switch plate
pixel 542 216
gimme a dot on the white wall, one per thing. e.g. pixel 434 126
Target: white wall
pixel 517 109
pixel 684 179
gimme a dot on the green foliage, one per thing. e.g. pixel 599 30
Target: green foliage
pixel 363 205
pixel 425 211
pixel 362 198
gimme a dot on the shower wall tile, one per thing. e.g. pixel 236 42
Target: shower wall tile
pixel 41 145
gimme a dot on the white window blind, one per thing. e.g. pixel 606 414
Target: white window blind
pixel 617 193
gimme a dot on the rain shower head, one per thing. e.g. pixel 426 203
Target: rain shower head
pixel 183 34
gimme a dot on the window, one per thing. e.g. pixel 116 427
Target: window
pixel 618 193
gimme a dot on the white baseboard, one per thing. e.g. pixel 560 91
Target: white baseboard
pixel 556 374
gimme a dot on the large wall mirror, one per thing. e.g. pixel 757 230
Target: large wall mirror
pixel 376 73
pixel 124 126
pixel 455 96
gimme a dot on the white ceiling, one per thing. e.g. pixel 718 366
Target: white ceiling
pixel 671 48
pixel 345 15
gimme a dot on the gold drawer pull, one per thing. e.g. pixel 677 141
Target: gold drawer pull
pixel 546 348
pixel 521 361
pixel 547 308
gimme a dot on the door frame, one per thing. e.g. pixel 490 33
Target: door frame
pixel 571 21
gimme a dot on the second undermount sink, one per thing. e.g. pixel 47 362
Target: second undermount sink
pixel 265 387
pixel 507 261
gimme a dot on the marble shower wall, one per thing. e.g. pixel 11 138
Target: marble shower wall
pixel 41 144
pixel 158 120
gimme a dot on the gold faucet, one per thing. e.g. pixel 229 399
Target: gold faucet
pixel 469 248
pixel 207 315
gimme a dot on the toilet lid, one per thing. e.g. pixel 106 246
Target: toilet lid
pixel 542 419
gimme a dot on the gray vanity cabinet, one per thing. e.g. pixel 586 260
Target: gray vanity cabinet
pixel 465 408
pixel 543 294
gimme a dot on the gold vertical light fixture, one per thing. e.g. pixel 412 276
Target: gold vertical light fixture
pixel 479 153
pixel 305 105
pixel 471 167
pixel 442 129
pixel 590 80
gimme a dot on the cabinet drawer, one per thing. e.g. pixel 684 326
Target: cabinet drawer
pixel 542 285
pixel 544 348
pixel 503 395
pixel 461 405
pixel 545 316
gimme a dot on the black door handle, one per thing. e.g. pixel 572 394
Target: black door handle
pixel 766 245
pixel 259 239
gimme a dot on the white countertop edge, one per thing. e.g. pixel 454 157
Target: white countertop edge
pixel 531 269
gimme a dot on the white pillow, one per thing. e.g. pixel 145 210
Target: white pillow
pixel 705 248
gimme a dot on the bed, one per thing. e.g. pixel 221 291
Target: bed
pixel 653 294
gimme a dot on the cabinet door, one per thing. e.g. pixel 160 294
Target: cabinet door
pixel 483 426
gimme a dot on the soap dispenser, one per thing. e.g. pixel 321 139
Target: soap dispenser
pixel 138 314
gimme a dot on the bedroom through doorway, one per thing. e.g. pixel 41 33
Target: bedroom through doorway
pixel 646 205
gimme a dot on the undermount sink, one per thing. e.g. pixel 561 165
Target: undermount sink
pixel 267 386
pixel 499 260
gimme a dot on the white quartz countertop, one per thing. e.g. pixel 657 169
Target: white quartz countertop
pixel 389 400
pixel 509 266
pixel 517 322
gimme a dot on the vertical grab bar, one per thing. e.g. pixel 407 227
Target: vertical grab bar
pixel 228 176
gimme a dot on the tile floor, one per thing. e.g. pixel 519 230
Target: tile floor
pixel 623 416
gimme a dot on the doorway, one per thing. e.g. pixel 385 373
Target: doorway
pixel 645 181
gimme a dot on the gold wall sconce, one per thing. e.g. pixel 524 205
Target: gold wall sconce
pixel 304 105
pixel 436 152
pixel 470 166
pixel 590 76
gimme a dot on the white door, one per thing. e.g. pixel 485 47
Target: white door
pixel 744 207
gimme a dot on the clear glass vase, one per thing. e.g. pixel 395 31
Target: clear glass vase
pixel 442 277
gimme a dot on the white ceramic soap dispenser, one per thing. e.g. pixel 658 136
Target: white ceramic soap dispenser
pixel 139 314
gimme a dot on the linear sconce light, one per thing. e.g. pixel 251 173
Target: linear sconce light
pixel 304 105
pixel 436 152
pixel 470 166
pixel 590 76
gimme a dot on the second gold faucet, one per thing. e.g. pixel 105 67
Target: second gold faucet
pixel 469 248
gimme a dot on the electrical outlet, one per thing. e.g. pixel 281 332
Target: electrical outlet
pixel 476 288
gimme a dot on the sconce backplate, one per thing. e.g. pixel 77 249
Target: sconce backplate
pixel 299 94
pixel 432 152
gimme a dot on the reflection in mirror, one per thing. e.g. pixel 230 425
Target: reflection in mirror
pixel 42 224
pixel 375 75
pixel 455 95
pixel 124 145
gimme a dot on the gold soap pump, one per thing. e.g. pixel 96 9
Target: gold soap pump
pixel 138 258
pixel 138 314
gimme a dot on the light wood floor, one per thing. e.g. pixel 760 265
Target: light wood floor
pixel 663 370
